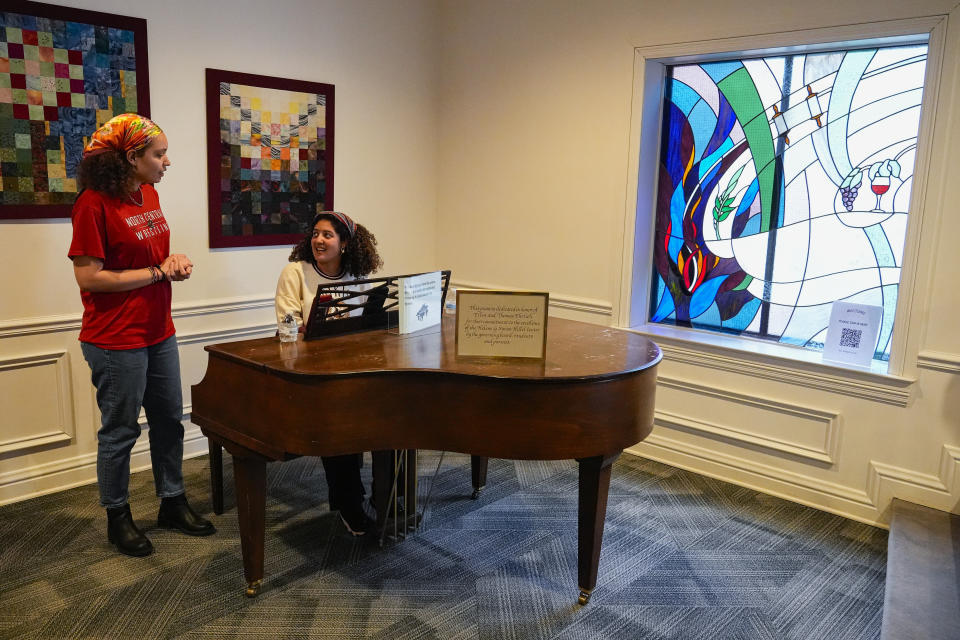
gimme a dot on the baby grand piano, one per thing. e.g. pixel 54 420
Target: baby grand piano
pixel 592 397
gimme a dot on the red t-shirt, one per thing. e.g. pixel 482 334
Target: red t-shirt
pixel 124 236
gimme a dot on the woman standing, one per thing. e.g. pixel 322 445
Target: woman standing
pixel 123 266
pixel 335 250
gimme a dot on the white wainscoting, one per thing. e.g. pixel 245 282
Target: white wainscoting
pixel 804 432
pixel 767 478
pixel 938 491
pixel 36 400
pixel 39 384
pixel 939 361
pixel 46 404
pixel 819 447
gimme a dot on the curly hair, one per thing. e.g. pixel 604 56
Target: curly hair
pixel 108 172
pixel 360 257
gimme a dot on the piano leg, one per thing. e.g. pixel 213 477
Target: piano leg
pixel 216 476
pixel 592 513
pixel 249 475
pixel 478 472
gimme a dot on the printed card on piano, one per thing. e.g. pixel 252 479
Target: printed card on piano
pixel 418 299
pixel 502 324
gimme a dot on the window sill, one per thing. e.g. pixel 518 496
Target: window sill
pixel 783 363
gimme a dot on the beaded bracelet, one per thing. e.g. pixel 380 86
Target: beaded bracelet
pixel 156 274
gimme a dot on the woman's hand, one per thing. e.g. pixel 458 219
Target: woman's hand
pixel 176 267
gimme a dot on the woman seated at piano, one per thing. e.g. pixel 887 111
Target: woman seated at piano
pixel 336 249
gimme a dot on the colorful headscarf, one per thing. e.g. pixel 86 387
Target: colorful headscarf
pixel 126 132
pixel 344 219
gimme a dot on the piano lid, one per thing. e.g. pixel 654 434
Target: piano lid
pixel 575 351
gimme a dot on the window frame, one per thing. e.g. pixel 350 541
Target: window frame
pixel 633 281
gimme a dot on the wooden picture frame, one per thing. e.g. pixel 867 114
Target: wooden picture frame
pixel 269 157
pixel 502 324
pixel 69 70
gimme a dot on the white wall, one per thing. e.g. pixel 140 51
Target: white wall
pixel 381 56
pixel 534 186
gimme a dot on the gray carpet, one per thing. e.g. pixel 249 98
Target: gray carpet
pixel 684 557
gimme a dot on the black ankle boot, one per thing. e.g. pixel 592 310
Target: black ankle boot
pixel 175 513
pixel 123 533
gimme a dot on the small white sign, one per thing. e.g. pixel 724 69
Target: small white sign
pixel 852 333
pixel 418 300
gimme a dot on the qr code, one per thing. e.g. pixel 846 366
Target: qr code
pixel 850 338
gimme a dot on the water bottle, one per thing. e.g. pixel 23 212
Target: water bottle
pixel 288 329
pixel 450 304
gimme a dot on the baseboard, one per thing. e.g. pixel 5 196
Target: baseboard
pixel 871 506
pixel 802 489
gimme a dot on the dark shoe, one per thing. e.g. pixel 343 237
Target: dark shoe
pixel 122 532
pixel 356 521
pixel 175 513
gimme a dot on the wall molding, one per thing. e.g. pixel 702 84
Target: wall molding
pixel 939 491
pixel 592 306
pixel 65 429
pixel 884 481
pixel 769 479
pixel 887 389
pixel 71 322
pixel 939 361
pixel 824 452
pixel 233 333
pixel 20 327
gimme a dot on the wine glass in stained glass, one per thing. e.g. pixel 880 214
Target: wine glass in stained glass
pixel 880 185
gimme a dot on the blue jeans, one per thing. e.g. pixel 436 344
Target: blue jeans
pixel 127 379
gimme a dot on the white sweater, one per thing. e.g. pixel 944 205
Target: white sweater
pixel 297 288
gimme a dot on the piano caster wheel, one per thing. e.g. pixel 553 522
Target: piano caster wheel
pixel 584 596
pixel 476 493
pixel 253 588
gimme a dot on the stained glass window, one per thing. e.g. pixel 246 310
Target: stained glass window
pixel 784 185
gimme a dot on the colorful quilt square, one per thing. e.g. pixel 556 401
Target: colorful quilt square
pixel 49 69
pixel 265 197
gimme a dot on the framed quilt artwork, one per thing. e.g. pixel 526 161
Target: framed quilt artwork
pixel 269 157
pixel 63 73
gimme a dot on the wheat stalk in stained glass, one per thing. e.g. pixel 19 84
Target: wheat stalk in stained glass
pixel 784 185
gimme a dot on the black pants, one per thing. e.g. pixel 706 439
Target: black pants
pixel 343 481
pixel 345 487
